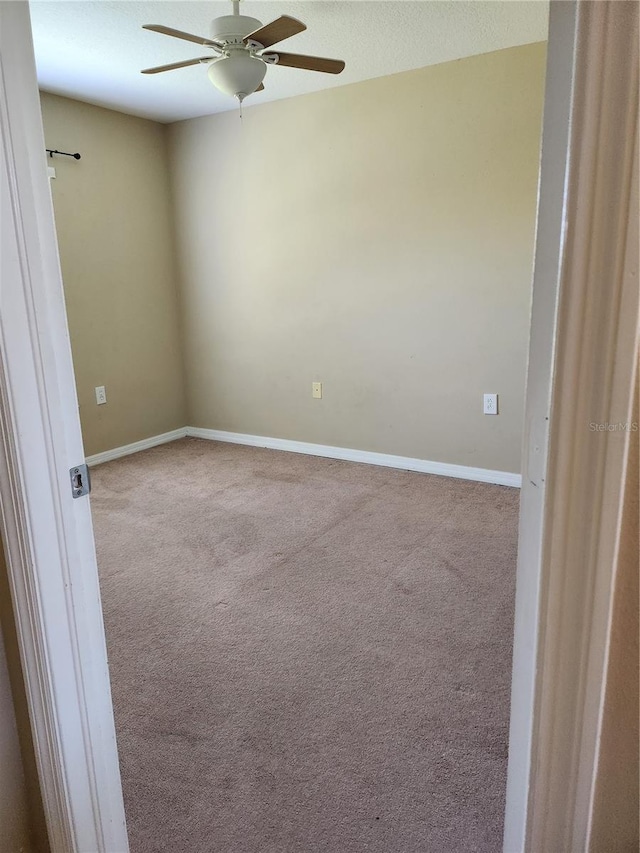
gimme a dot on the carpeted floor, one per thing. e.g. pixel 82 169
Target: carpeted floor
pixel 306 655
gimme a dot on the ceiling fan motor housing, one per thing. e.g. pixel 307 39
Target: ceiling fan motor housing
pixel 231 29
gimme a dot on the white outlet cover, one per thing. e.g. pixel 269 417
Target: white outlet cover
pixel 490 404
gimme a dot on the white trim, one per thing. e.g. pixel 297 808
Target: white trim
pixel 586 291
pixel 347 454
pixel 386 460
pixel 542 347
pixel 136 446
pixel 47 535
pixel 593 381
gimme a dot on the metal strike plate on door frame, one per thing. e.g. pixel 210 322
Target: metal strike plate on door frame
pixel 80 480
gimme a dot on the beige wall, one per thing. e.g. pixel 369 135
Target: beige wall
pixel 377 237
pixel 113 216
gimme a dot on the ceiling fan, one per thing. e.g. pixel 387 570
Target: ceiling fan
pixel 240 45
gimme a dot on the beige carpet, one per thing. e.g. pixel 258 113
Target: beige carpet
pixel 306 655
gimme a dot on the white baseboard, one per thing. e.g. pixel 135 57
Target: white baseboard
pixel 386 460
pixel 136 447
pixel 424 466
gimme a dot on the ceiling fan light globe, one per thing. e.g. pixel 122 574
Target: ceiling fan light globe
pixel 237 75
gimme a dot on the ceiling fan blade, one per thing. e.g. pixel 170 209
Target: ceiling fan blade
pixel 282 28
pixel 173 65
pixel 168 31
pixel 308 63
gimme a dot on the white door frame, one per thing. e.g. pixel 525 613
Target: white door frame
pixel 582 362
pixel 48 535
pixel 564 578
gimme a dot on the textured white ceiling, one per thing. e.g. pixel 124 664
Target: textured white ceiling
pixel 94 51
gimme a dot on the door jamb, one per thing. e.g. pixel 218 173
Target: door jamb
pixel 583 358
pixel 47 535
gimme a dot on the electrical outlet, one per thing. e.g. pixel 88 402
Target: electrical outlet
pixel 101 395
pixel 490 404
pixel 316 390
